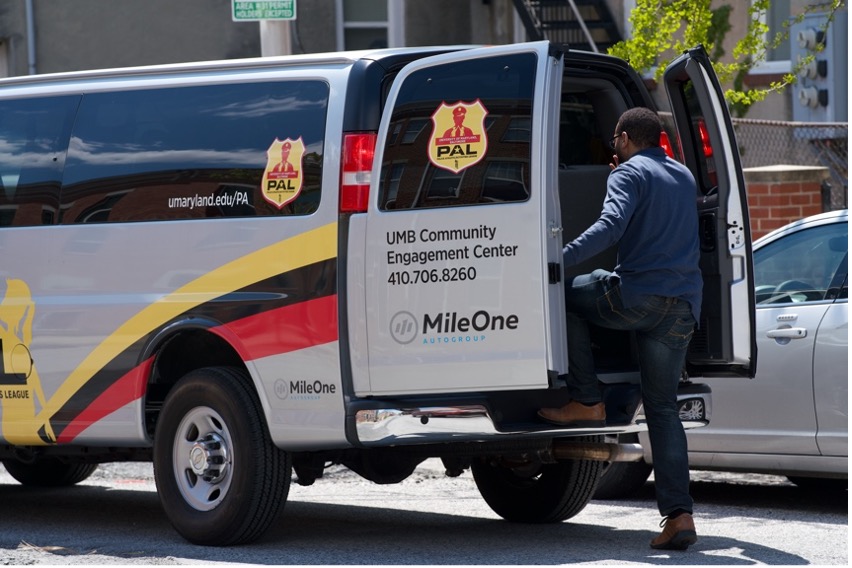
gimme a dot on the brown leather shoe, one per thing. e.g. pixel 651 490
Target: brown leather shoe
pixel 576 414
pixel 678 533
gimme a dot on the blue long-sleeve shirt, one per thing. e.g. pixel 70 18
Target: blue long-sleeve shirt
pixel 650 211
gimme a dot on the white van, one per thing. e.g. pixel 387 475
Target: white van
pixel 245 268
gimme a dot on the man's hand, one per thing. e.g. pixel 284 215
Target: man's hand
pixel 614 163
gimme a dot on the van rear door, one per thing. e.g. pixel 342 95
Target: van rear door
pixel 462 290
pixel 725 343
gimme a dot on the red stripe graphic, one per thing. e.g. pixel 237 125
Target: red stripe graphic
pixel 283 330
pixel 125 390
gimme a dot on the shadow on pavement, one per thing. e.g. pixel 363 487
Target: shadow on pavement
pixel 78 523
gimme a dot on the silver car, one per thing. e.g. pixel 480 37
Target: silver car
pixel 792 418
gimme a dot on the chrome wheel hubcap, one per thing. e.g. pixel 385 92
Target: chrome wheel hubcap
pixel 203 458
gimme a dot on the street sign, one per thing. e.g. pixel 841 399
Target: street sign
pixel 256 10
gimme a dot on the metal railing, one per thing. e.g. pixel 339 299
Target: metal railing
pixel 579 24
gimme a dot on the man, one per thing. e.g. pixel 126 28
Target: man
pixel 458 129
pixel 284 165
pixel 655 290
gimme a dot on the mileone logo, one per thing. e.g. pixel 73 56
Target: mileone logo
pixel 403 327
pixel 302 389
pixel 452 322
pixel 449 327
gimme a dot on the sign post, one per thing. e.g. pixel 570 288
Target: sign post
pixel 260 10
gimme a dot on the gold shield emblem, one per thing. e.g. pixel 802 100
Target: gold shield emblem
pixel 458 135
pixel 282 178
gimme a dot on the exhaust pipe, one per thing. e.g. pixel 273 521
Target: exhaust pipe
pixel 567 450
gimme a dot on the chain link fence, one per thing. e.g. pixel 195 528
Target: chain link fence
pixel 773 142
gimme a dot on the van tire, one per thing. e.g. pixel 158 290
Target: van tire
pixel 49 472
pixel 240 481
pixel 547 493
pixel 621 480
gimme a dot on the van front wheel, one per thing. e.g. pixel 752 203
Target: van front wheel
pixel 543 493
pixel 220 478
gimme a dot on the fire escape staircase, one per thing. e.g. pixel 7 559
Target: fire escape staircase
pixel 586 25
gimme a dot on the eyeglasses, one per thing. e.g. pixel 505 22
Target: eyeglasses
pixel 613 139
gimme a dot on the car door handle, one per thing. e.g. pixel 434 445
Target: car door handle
pixel 788 333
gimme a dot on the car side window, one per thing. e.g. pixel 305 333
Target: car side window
pixel 841 282
pixel 802 266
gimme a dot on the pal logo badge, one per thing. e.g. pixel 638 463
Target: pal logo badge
pixel 282 178
pixel 458 135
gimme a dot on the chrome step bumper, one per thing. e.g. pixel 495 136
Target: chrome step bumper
pixel 446 424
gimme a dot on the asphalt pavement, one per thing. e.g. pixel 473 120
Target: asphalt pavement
pixel 115 518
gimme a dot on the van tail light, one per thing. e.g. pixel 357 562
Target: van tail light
pixel 666 144
pixel 705 139
pixel 356 167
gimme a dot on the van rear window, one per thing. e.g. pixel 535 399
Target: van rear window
pixel 699 148
pixel 460 135
pixel 227 150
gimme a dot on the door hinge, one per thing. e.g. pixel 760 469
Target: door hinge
pixel 554 274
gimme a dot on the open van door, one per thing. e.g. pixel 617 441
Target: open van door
pixel 725 343
pixel 462 290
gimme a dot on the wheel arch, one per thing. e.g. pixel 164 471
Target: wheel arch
pixel 181 348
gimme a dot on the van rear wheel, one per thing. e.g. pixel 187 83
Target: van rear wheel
pixel 220 478
pixel 537 493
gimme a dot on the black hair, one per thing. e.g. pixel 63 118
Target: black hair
pixel 642 125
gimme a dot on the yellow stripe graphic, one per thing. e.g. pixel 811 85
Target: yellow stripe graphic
pixel 304 249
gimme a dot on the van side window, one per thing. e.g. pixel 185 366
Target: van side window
pixel 227 150
pixel 465 135
pixel 33 142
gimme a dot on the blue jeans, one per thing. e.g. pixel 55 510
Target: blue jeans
pixel 663 329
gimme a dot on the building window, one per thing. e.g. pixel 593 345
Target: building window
pixel 369 24
pixel 4 58
pixel 776 17
pixel 777 60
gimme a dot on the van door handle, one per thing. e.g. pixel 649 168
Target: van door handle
pixel 787 333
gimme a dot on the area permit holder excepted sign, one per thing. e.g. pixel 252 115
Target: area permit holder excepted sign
pixel 256 10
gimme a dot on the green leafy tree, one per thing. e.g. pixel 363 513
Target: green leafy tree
pixel 662 29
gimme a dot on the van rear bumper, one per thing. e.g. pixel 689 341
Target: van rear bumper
pixel 474 422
